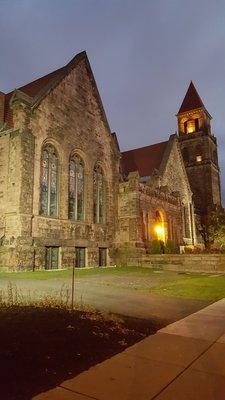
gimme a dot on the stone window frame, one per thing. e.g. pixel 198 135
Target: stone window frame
pixel 52 145
pixel 76 153
pixel 96 220
pixel 50 252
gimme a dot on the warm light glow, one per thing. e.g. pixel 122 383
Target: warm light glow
pixel 160 232
pixel 191 126
pixel 199 158
pixel 190 129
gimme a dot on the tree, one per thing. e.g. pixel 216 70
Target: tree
pixel 211 227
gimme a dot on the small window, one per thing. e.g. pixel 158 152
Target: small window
pixel 198 158
pixel 99 195
pixel 80 257
pixel 51 257
pixel 102 257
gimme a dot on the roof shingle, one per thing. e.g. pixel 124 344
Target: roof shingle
pixel 144 159
pixel 192 100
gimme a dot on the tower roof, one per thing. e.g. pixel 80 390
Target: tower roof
pixel 191 100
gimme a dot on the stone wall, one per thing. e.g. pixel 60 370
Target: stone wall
pixel 70 117
pixel 184 262
pixel 175 178
pixel 204 176
pixel 2 107
pixel 137 206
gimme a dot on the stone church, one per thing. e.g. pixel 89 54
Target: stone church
pixel 67 193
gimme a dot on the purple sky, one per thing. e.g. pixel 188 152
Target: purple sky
pixel 143 54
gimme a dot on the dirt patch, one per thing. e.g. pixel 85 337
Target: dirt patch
pixel 40 348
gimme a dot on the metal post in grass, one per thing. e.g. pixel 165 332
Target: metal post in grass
pixel 73 285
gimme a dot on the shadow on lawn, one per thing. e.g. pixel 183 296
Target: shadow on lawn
pixel 41 347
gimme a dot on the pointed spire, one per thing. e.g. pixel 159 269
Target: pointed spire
pixel 192 100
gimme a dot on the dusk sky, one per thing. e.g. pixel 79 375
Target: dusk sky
pixel 143 55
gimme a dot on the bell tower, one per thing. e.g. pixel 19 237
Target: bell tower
pixel 199 149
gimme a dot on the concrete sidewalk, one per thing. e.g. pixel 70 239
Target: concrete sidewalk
pixel 184 361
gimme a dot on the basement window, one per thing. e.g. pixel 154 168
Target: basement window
pixel 102 257
pixel 51 257
pixel 80 261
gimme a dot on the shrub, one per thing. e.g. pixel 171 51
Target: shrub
pixel 155 247
pixel 171 247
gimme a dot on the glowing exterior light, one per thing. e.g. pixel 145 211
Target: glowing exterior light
pixel 199 158
pixel 160 232
pixel 191 126
pixel 159 229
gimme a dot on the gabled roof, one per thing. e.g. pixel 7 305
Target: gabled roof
pixel 144 159
pixel 31 89
pixel 192 100
pixel 34 87
pixel 35 91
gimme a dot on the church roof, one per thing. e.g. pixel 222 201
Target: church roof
pixel 192 100
pixel 36 90
pixel 33 88
pixel 144 159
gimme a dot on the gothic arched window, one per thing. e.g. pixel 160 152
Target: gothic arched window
pixel 99 195
pixel 76 188
pixel 49 181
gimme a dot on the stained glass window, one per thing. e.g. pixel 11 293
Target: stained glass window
pixel 99 195
pixel 76 188
pixel 49 181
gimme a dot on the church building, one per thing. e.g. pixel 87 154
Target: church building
pixel 67 193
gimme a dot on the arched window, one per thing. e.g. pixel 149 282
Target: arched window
pixel 191 125
pixel 76 188
pixel 160 226
pixel 99 195
pixel 49 181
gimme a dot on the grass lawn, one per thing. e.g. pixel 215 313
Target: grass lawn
pixel 167 283
pixel 79 273
pixel 200 287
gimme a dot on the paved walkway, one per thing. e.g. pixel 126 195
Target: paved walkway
pixel 184 361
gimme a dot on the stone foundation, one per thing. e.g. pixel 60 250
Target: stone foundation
pixel 184 262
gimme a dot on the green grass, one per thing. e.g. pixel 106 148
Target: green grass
pixel 79 272
pixel 202 287
pixel 167 283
